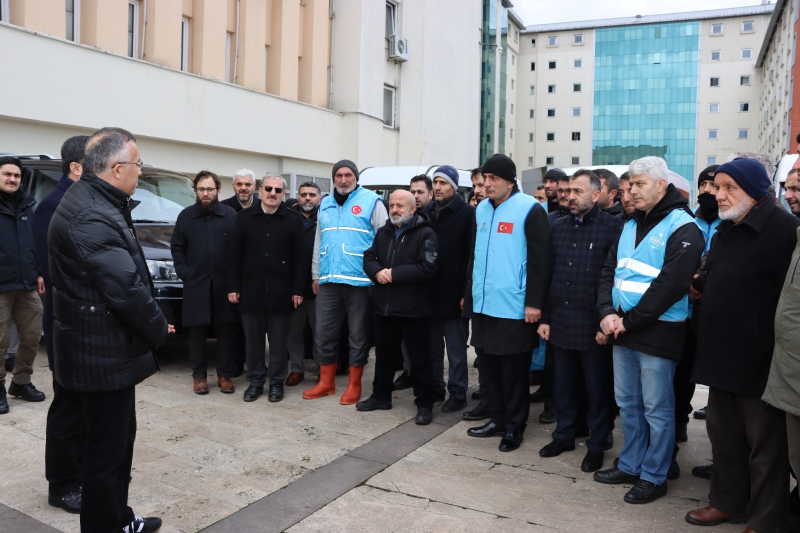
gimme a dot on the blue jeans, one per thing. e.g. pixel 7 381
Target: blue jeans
pixel 646 399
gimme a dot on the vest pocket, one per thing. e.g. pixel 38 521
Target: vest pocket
pixel 344 250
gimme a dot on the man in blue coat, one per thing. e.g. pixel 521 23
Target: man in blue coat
pixel 62 456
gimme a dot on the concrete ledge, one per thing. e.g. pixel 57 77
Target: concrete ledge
pixel 13 521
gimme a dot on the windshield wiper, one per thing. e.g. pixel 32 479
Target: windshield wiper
pixel 145 221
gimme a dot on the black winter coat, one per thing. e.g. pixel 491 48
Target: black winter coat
pixel 268 260
pixel 309 232
pixel 200 249
pixel 18 267
pixel 453 228
pixel 412 258
pixel 105 317
pixel 746 268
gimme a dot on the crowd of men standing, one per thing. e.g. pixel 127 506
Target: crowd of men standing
pixel 636 297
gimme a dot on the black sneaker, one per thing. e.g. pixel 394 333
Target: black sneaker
pixel 645 492
pixel 453 405
pixel 548 416
pixel 556 447
pixel 424 416
pixel 700 414
pixel 614 476
pixel 70 502
pixel 150 524
pixel 371 404
pixel 27 392
pixel 703 471
pixel 479 413
pixel 403 381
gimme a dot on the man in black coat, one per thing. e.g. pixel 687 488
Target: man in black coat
pixel 451 219
pixel 65 428
pixel 267 278
pixel 609 201
pixel 746 268
pixel 402 262
pixel 106 322
pixel 580 244
pixel 200 249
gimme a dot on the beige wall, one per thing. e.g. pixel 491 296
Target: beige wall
pixel 44 16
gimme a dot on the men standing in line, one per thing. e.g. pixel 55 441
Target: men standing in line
pixel 550 182
pixel 307 207
pixel 628 207
pixel 609 195
pixel 579 247
pixel 643 301
pixel 65 428
pixel 266 277
pixel 752 248
pixel 346 226
pixel 200 250
pixel 452 220
pixel 510 270
pixel 106 322
pixel 476 177
pixel 20 283
pixel 402 262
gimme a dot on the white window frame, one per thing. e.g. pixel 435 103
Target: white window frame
pixel 749 81
pixel 76 18
pixel 533 89
pixel 579 87
pixel 712 135
pixel 512 109
pixel 530 161
pixel 533 43
pixel 552 40
pixel 577 39
pixel 393 90
pixel 512 83
pixel 554 67
pixel 741 104
pixel 550 160
pixel 719 55
pixel 531 114
pixel 135 39
pixel 185 28
pixel 577 63
pixel 553 115
pixel 553 87
pixel 391 7
pixel 711 82
pixel 530 137
pixel 711 109
pixel 746 134
pixel 721 28
pixel 576 112
pixel 228 40
pixel 711 160
pixel 749 53
pixel 4 15
pixel 547 136
pixel 576 160
pixel 752 28
pixel 513 59
pixel 573 136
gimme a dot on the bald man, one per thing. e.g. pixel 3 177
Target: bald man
pixel 402 262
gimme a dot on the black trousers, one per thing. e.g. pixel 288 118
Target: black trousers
pixel 66 432
pixel 110 419
pixel 239 345
pixel 682 384
pixel 198 335
pixel 587 374
pixel 257 328
pixel 390 331
pixel 548 385
pixel 751 459
pixel 507 389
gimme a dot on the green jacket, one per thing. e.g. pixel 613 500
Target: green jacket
pixel 783 386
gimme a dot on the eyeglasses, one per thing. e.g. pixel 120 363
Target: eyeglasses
pixel 270 188
pixel 138 163
pixel 563 191
pixel 203 190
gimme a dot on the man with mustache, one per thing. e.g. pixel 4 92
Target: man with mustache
pixel 628 207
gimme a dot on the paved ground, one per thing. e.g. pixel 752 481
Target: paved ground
pixel 216 462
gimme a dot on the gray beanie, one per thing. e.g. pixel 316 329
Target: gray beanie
pixel 345 163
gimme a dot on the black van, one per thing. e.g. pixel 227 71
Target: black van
pixel 163 195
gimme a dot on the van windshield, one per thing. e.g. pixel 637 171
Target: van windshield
pixel 162 197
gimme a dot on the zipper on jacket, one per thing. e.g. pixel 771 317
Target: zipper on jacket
pixel 589 257
pixel 486 264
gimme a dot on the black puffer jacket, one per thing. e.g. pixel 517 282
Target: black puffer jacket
pixel 412 257
pixel 105 319
pixel 18 266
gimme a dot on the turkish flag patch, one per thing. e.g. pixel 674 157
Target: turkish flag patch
pixel 505 227
pixel 356 209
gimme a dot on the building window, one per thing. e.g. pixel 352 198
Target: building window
pixel 133 27
pixel 576 87
pixel 576 111
pixel 551 136
pixel 713 108
pixel 533 89
pixel 748 26
pixel 716 55
pixel 744 80
pixel 550 160
pixel 512 84
pixel 228 39
pixel 711 160
pixel 551 112
pixel 576 160
pixel 551 65
pixel 715 82
pixel 577 38
pixel 73 19
pixel 512 109
pixel 4 11
pixel 744 134
pixel 576 136
pixel 530 161
pixel 747 53
pixel 744 107
pixel 533 65
pixel 531 115
pixel 552 40
pixel 577 63
pixel 511 133
pixel 716 29
pixel 185 44
pixel 551 89
pixel 388 106
pixel 513 59
pixel 712 134
pixel 533 43
pixel 516 35
pixel 530 137
pixel 391 19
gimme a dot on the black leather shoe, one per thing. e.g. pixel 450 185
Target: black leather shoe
pixel 680 433
pixel 511 440
pixel 476 395
pixel 10 363
pixel 237 371
pixel 703 471
pixel 70 502
pixel 537 396
pixel 645 492
pixel 487 430
pixel 26 392
pixel 556 447
pixel 275 392
pixel 614 476
pixel 548 416
pixel 593 461
pixel 403 381
pixel 453 405
pixel 3 400
pixel 424 416
pixel 253 392
pixel 582 431
pixel 700 414
pixel 479 413
pixel 150 524
pixel 609 441
pixel 371 404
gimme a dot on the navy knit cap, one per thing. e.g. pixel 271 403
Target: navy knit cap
pixel 501 166
pixel 345 163
pixel 448 173
pixel 749 174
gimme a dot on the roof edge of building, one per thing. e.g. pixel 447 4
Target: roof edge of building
pixel 770 33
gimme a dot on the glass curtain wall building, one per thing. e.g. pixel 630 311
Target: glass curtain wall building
pixel 645 95
pixel 488 78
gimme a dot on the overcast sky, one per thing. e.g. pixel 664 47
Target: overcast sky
pixel 547 11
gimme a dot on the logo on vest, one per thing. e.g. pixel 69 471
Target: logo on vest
pixel 657 241
pixel 505 227
pixel 483 228
pixel 356 209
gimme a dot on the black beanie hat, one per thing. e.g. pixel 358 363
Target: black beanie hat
pixel 555 174
pixel 345 163
pixel 501 166
pixel 707 174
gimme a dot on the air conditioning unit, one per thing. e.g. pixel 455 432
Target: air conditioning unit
pixel 398 48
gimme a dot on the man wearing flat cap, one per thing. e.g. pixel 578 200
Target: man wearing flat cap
pixel 747 264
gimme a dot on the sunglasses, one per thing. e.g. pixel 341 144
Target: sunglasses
pixel 270 188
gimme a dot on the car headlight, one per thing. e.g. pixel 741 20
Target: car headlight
pixel 162 271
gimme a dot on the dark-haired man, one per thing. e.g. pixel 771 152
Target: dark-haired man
pixel 609 195
pixel 550 182
pixel 476 176
pixel 422 188
pixel 628 207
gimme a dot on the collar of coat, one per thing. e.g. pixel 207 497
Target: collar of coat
pixel 757 217
pixel 281 211
pixel 117 197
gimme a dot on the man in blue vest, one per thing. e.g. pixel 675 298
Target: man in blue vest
pixel 510 269
pixel 346 225
pixel 643 303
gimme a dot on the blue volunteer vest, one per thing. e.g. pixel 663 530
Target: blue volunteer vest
pixel 708 229
pixel 344 235
pixel 637 267
pixel 501 249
